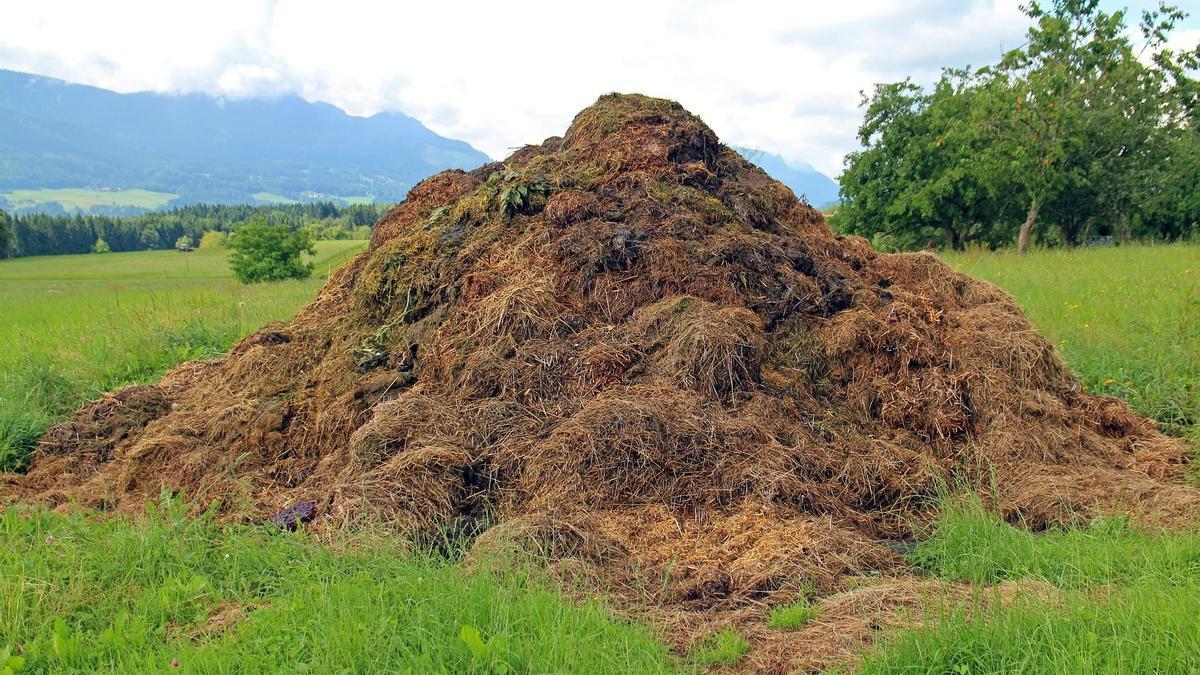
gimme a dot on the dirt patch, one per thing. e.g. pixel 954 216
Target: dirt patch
pixel 640 343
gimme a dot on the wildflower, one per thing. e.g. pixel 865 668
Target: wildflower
pixel 1110 381
pixel 174 663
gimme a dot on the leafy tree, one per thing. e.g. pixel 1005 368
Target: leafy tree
pixel 6 234
pixel 1074 109
pixel 263 252
pixel 917 179
pixel 1077 126
pixel 101 246
pixel 183 243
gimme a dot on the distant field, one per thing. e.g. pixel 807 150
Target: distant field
pixel 272 198
pixel 85 199
pixel 78 325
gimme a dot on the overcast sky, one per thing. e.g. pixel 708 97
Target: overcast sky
pixel 782 76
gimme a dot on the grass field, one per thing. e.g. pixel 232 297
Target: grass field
pixel 79 325
pixel 1126 319
pixel 86 199
pixel 88 593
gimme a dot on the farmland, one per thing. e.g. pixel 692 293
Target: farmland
pixel 86 199
pixel 78 325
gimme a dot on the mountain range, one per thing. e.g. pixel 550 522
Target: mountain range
pixel 802 178
pixel 54 134
pixel 67 146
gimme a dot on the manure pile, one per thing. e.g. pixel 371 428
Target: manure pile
pixel 636 349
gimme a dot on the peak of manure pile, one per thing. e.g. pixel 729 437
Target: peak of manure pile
pixel 638 351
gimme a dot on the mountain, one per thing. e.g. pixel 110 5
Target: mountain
pixel 54 134
pixel 804 180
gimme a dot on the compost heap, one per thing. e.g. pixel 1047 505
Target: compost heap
pixel 633 347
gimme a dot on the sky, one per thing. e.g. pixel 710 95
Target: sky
pixel 782 76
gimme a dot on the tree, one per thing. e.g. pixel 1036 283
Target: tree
pixel 1074 109
pixel 183 243
pixel 7 234
pixel 1077 127
pixel 262 252
pixel 918 178
pixel 101 246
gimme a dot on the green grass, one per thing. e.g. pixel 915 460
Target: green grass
pixel 792 615
pixel 723 648
pixel 972 544
pixel 76 326
pixel 117 595
pixel 86 199
pixel 1137 630
pixel 1129 600
pixel 1125 319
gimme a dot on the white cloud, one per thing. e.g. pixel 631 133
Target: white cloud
pixel 783 76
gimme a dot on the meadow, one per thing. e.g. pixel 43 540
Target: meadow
pixel 86 199
pixel 1126 319
pixel 79 325
pixel 85 592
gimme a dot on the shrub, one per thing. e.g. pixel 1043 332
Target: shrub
pixel 213 239
pixel 101 246
pixel 263 252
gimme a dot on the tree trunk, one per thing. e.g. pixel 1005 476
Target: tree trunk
pixel 1124 230
pixel 1027 226
pixel 955 238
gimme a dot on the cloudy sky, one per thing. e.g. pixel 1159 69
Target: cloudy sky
pixel 783 76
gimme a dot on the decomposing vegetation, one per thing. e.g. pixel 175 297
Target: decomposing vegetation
pixel 638 353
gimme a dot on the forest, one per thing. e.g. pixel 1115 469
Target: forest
pixel 45 234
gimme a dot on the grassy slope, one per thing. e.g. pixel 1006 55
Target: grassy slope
pixel 79 325
pixel 85 198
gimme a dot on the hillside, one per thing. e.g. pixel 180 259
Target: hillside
pixel 192 148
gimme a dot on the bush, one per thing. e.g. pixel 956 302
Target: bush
pixel 213 239
pixel 183 243
pixel 101 246
pixel 263 252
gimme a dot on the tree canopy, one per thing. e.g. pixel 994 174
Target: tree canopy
pixel 1079 127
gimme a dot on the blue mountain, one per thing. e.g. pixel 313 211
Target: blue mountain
pixel 803 179
pixel 54 134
